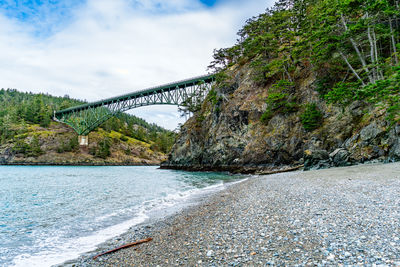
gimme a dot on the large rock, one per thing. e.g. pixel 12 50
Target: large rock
pixel 316 159
pixel 394 153
pixel 6 155
pixel 370 132
pixel 340 157
pixel 229 132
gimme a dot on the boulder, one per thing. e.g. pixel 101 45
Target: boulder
pixel 356 108
pixel 370 132
pixel 394 153
pixel 340 157
pixel 316 159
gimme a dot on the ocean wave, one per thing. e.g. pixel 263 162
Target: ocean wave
pixel 63 249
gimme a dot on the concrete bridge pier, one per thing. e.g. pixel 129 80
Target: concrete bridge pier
pixel 83 140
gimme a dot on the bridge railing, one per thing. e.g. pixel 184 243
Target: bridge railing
pixel 173 85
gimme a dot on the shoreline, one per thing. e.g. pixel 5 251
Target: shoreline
pixel 234 169
pixel 155 220
pixel 331 216
pixel 72 164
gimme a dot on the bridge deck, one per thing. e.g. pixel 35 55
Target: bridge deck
pixel 157 89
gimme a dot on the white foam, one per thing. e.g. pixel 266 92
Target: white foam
pixel 179 197
pixel 105 217
pixel 72 249
pixel 65 250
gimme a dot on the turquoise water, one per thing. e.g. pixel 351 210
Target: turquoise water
pixel 52 214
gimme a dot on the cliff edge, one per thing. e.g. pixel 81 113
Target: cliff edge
pixel 229 132
pixel 308 82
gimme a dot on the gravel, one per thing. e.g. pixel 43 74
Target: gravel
pixel 338 216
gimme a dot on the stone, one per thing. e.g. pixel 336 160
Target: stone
pixel 316 159
pixel 394 152
pixel 356 108
pixel 210 253
pixel 370 132
pixel 350 142
pixel 330 257
pixel 339 157
pixel 234 136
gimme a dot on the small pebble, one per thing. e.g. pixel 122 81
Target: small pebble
pixel 314 218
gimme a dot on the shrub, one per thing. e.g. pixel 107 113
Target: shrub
pixel 279 101
pixel 342 93
pixel 124 138
pixel 212 97
pixel 20 147
pixel 71 145
pixel 311 118
pixel 34 149
pixel 266 116
pixel 103 149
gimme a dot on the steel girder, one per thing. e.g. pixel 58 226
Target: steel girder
pixel 85 118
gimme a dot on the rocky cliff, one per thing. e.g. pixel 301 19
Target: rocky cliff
pixel 230 134
pixel 307 82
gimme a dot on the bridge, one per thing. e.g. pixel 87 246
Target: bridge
pixel 87 117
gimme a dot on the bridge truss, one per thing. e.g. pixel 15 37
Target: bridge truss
pixel 85 118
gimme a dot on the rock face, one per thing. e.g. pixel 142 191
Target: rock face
pixel 228 133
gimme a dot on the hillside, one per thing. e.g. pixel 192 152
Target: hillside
pixel 309 82
pixel 29 136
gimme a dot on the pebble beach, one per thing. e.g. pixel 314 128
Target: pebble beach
pixel 338 216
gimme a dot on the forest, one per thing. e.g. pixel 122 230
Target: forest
pixel 351 46
pixel 19 110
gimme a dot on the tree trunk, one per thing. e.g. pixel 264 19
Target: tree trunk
pixel 287 73
pixel 351 68
pixel 397 19
pixel 380 76
pixel 360 56
pixel 372 52
pixel 396 60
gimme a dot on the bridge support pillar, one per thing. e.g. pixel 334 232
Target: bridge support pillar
pixel 83 140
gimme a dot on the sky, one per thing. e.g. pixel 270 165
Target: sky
pixel 95 49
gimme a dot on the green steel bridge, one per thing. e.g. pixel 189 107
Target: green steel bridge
pixel 85 118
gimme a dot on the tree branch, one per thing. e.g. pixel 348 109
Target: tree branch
pixel 351 68
pixel 360 56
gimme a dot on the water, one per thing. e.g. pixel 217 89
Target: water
pixel 52 214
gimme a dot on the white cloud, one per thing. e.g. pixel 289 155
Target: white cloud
pixel 116 47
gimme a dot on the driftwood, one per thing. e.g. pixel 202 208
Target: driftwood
pixel 124 246
pixel 279 171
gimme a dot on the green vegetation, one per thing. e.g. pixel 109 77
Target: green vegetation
pixel 193 102
pixel 279 100
pixel 68 145
pixel 18 110
pixel 212 97
pixel 164 142
pixel 26 117
pixel 384 92
pixel 30 150
pixel 102 150
pixel 351 47
pixel 311 118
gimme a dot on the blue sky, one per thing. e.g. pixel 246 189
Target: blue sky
pixel 209 2
pixel 48 16
pixel 43 16
pixel 95 49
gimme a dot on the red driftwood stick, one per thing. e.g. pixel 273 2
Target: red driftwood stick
pixel 124 246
